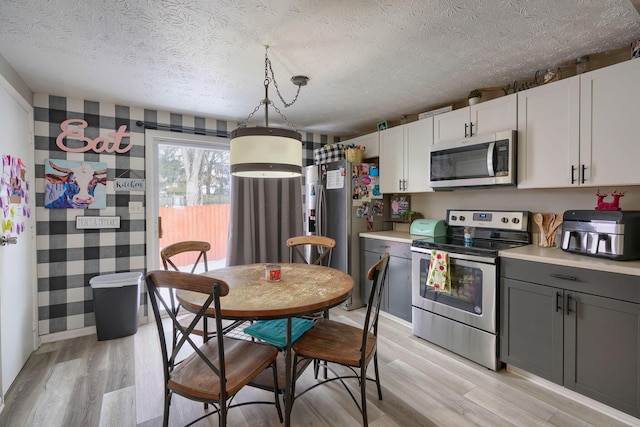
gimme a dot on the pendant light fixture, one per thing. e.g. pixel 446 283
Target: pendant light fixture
pixel 268 152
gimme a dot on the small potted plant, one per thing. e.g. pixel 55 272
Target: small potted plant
pixel 409 216
pixel 474 96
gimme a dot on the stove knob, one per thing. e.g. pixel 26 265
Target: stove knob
pixel 454 218
pixel 515 220
pixel 462 218
pixel 504 220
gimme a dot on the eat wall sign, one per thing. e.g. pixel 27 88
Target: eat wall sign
pixel 72 128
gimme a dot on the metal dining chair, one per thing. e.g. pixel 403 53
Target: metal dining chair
pixel 196 254
pixel 311 249
pixel 331 342
pixel 215 371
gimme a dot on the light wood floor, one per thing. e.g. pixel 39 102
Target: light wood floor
pixel 85 382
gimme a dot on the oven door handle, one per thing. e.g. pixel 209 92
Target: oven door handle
pixel 491 153
pixel 457 256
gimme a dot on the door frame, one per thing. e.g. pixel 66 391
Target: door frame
pixel 152 139
pixel 30 237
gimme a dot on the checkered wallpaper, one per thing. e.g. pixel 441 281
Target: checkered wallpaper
pixel 69 258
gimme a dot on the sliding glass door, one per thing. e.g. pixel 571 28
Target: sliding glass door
pixel 188 197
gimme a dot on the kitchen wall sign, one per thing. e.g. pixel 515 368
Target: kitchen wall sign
pixel 72 128
pixel 97 222
pixel 128 184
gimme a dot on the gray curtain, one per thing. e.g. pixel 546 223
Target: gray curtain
pixel 264 214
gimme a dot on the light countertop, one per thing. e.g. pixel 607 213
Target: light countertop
pixel 533 253
pixel 394 236
pixel 559 257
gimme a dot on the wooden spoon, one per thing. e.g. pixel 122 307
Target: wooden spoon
pixel 551 234
pixel 538 219
pixel 547 220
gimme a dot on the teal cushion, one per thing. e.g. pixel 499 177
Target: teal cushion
pixel 275 331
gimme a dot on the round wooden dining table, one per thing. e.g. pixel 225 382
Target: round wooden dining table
pixel 302 289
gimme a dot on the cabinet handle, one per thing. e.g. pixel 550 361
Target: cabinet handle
pixel 466 126
pixel 399 185
pixel 404 185
pixel 558 297
pixel 563 277
pixel 573 174
pixel 471 129
pixel 569 298
pixel 583 167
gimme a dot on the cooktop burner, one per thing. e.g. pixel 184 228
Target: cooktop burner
pixel 480 232
pixel 459 245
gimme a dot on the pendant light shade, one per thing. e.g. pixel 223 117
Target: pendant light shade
pixel 266 152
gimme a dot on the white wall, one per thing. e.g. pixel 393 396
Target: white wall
pixel 7 71
pixel 435 205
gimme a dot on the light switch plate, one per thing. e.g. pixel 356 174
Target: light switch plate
pixel 136 208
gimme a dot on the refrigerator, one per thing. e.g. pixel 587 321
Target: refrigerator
pixel 341 200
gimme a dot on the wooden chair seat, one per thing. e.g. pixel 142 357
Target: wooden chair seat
pixel 193 377
pixel 334 342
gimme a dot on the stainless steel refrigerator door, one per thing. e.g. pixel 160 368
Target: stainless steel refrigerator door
pixel 343 224
pixel 311 218
pixel 309 184
pixel 337 223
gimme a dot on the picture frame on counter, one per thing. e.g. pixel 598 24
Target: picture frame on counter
pixel 400 204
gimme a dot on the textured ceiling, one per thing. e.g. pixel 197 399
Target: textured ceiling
pixel 368 60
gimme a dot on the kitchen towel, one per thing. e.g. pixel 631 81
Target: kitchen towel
pixel 275 331
pixel 439 276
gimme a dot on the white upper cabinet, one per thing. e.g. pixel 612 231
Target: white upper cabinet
pixel 609 142
pixel 548 135
pixel 404 157
pixel 492 116
pixel 370 142
pixel 581 131
pixel 418 137
pixel 391 159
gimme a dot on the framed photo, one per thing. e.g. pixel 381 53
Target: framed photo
pixel 71 184
pixel 382 125
pixel 399 205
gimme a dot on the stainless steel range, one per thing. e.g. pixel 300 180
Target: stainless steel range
pixel 465 320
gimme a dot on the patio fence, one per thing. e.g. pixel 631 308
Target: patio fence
pixel 209 223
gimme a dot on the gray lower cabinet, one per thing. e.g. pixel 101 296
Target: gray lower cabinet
pixel 578 328
pixel 397 296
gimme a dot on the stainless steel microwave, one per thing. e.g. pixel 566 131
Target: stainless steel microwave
pixel 480 161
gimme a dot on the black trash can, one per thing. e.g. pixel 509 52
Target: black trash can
pixel 116 301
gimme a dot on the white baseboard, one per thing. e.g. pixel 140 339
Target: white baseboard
pixel 65 335
pixel 395 319
pixel 580 398
pixel 75 333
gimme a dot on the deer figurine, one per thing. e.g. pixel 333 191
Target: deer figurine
pixel 609 206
